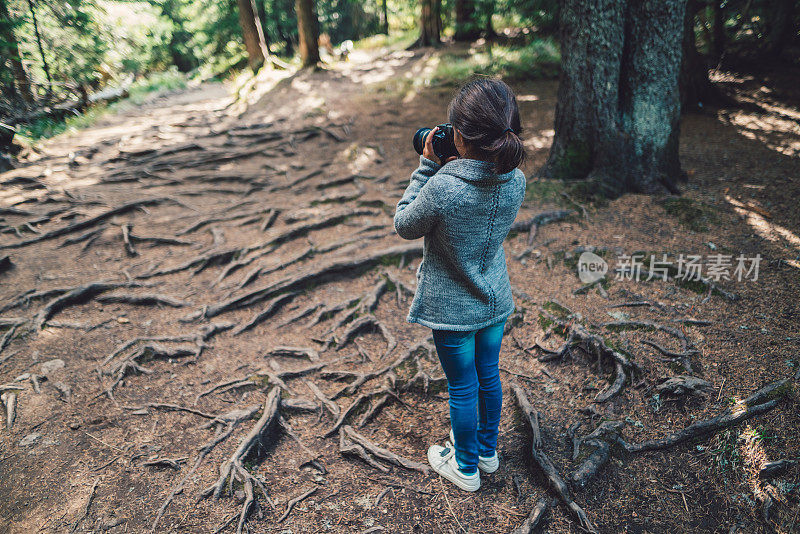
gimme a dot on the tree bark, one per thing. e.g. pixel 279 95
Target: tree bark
pixel 308 30
pixel 428 25
pixel 261 11
pixel 466 27
pixel 618 110
pixel 10 51
pixel 384 17
pixel 253 35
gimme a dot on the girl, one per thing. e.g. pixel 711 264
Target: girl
pixel 464 208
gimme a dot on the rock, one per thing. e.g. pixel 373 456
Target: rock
pixel 74 426
pixel 52 366
pixel 30 439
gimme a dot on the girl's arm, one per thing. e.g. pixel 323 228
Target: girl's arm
pixel 418 211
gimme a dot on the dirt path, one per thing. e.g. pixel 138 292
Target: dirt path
pixel 143 342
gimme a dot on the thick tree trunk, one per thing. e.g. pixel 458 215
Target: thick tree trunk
pixel 428 25
pixel 618 111
pixel 308 30
pixel 253 35
pixel 384 17
pixel 9 49
pixel 467 29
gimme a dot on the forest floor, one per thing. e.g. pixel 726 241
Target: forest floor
pixel 140 349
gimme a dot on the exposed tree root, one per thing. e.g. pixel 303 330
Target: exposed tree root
pixel 758 403
pixel 687 347
pixel 253 445
pixel 9 401
pixel 148 299
pixel 536 515
pixel 554 478
pixel 353 443
pixel 578 335
pixel 75 296
pixel 366 323
pixel 290 505
pixel 532 225
pixel 336 268
pixel 225 427
pixel 355 405
pixel 359 379
pixel 87 223
pixel 294 352
pixel 271 309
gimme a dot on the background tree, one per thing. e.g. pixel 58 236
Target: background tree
pixel 308 30
pixel 16 81
pixel 253 34
pixel 429 23
pixel 466 26
pixel 618 107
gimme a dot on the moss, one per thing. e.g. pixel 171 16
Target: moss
pixel 390 286
pixel 544 322
pixel 575 162
pixel 695 215
pixel 546 190
pixel 556 309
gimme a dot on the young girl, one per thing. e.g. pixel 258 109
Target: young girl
pixel 464 208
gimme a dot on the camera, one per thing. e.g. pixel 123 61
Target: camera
pixel 443 144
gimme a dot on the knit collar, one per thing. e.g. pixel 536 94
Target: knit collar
pixel 477 171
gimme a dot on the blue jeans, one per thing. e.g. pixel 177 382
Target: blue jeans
pixel 470 361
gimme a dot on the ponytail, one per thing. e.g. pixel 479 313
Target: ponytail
pixel 485 112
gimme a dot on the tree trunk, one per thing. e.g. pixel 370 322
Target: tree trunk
pixel 428 26
pixel 45 66
pixel 618 110
pixel 780 26
pixel 261 11
pixel 253 35
pixel 488 28
pixel 10 51
pixel 308 30
pixel 718 37
pixel 466 27
pixel 696 88
pixel 384 17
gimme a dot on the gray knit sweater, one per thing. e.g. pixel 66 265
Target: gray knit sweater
pixel 465 212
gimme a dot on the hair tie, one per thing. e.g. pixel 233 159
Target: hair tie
pixel 508 130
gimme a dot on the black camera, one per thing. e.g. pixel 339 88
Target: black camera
pixel 443 144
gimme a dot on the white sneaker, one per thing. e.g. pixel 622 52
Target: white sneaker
pixel 487 464
pixel 443 461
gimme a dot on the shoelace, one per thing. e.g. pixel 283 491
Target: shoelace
pixel 447 455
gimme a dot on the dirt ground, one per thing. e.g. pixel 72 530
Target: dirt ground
pixel 306 176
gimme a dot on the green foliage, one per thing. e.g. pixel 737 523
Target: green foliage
pixel 538 59
pixel 46 127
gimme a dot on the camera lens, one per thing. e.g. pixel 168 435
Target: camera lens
pixel 419 139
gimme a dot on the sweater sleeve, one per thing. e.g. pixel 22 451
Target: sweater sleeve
pixel 418 209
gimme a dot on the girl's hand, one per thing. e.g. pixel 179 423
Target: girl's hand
pixel 428 152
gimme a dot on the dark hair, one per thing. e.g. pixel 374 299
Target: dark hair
pixel 485 112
